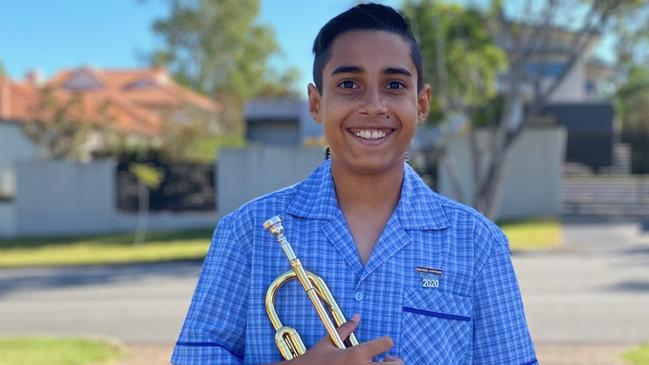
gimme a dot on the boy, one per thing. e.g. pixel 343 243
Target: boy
pixel 428 281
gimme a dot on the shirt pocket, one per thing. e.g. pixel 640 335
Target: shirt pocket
pixel 436 327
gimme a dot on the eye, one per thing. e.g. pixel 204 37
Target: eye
pixel 395 85
pixel 347 84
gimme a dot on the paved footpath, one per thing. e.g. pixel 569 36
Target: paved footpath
pixel 586 303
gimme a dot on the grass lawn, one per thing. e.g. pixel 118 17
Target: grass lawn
pixel 638 355
pixel 57 351
pixel 188 245
pixel 104 249
pixel 533 234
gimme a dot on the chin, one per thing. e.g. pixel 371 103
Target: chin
pixel 376 167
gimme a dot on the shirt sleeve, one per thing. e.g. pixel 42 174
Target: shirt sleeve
pixel 214 330
pixel 500 333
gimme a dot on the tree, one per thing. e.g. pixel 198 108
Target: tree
pixel 61 125
pixel 217 48
pixel 632 50
pixel 3 72
pixel 69 127
pixel 462 63
pixel 462 59
pixel 148 178
pixel 632 100
pixel 195 137
pixel 526 31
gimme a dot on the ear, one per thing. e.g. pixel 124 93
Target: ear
pixel 314 102
pixel 423 104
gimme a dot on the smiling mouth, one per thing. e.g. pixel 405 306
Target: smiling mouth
pixel 370 134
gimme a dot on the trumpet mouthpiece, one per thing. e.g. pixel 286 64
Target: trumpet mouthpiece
pixel 274 225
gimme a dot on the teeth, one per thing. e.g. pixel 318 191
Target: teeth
pixel 367 134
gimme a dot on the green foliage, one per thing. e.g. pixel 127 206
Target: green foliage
pixel 59 351
pixel 632 100
pixel 631 28
pixel 211 146
pixel 3 72
pixel 217 48
pixel 61 126
pixel 65 126
pixel 461 59
pixel 146 174
pixel 197 138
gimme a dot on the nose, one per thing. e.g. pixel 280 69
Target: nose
pixel 373 103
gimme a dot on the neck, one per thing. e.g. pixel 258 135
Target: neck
pixel 371 194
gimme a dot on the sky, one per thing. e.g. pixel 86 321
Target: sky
pixel 50 35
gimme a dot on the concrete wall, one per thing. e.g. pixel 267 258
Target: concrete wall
pixel 14 148
pixel 59 197
pixel 7 221
pixel 533 174
pixel 274 132
pixel 66 198
pixel 264 115
pixel 572 88
pixel 310 128
pixel 244 174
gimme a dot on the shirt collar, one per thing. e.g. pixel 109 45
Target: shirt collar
pixel 315 197
pixel 418 207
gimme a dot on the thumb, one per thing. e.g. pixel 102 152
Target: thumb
pixel 348 327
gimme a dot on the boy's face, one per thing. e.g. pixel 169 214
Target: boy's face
pixel 369 105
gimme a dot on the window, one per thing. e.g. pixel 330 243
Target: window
pixel 541 69
pixel 590 87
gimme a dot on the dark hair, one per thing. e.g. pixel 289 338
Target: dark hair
pixel 363 17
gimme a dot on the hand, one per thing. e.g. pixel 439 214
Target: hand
pixel 326 353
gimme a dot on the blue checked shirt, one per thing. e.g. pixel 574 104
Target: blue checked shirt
pixel 439 281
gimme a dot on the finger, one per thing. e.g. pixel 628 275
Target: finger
pixel 392 360
pixel 348 327
pixel 377 346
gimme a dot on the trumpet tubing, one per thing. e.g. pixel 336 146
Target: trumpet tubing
pixel 287 339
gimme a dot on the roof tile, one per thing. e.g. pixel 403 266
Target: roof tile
pixel 136 100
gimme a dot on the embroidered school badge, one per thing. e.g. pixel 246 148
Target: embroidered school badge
pixel 429 276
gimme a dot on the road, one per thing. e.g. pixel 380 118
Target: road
pixel 135 303
pixel 595 290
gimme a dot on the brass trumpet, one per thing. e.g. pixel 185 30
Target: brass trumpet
pixel 287 339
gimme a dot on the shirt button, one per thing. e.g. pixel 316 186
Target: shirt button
pixel 359 296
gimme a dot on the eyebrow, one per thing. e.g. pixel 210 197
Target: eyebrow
pixel 397 71
pixel 347 69
pixel 357 69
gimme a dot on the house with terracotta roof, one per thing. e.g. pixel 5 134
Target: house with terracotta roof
pixel 134 102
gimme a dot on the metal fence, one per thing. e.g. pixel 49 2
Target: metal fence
pixel 618 186
pixel 637 143
pixel 186 187
pixel 624 153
